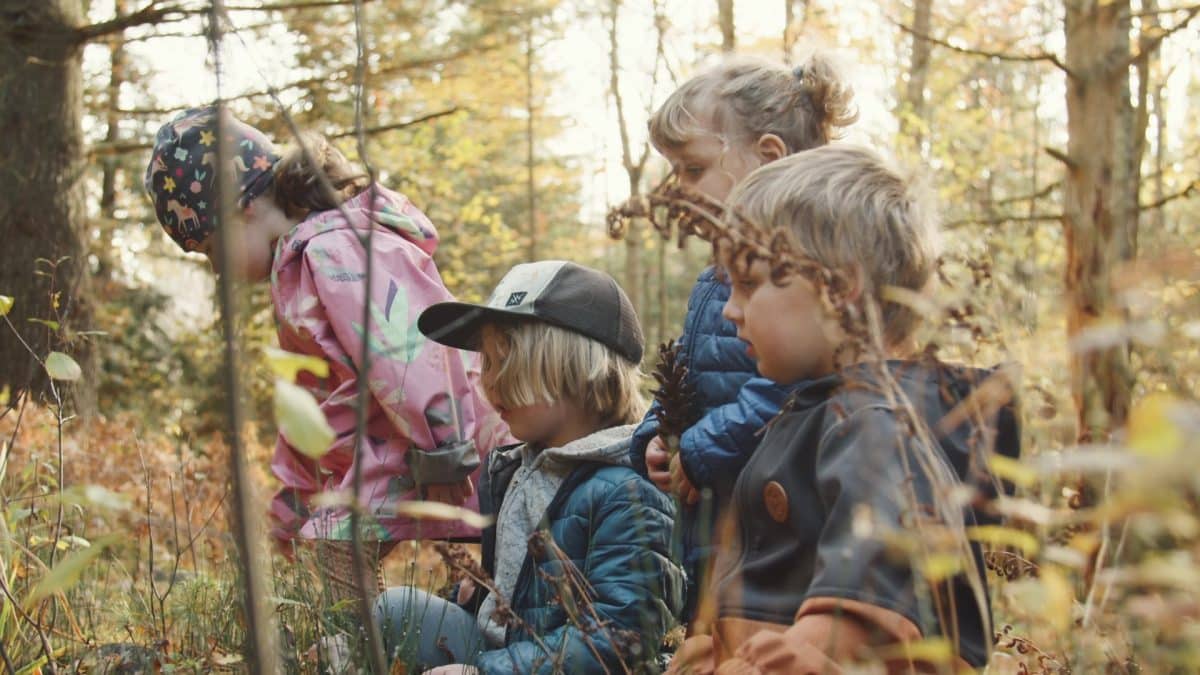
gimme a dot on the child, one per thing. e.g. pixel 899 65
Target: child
pixel 425 414
pixel 715 129
pixel 561 346
pixel 851 472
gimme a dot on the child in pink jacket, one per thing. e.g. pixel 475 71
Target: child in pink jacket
pixel 427 420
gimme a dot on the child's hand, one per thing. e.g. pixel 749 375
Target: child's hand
pixel 453 669
pixel 695 657
pixel 680 484
pixel 466 588
pixel 450 493
pixel 658 464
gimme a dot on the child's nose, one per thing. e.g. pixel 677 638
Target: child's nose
pixel 732 311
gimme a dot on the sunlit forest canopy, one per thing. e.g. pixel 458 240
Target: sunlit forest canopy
pixel 1057 138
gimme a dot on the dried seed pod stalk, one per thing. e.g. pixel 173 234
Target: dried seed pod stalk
pixel 676 395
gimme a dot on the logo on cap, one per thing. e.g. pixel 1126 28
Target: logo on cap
pixel 515 299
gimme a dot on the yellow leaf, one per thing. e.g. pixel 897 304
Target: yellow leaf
pixel 6 304
pixel 941 566
pixel 997 535
pixel 1058 598
pixel 929 650
pixel 1012 470
pixel 1152 429
pixel 301 421
pixel 440 511
pixel 63 367
pixel 288 364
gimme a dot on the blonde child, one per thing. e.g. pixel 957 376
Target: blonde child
pixel 561 346
pixel 810 582
pixel 426 416
pixel 714 130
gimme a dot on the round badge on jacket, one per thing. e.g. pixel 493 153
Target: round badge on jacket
pixel 776 500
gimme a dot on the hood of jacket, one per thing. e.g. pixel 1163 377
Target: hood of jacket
pixel 390 212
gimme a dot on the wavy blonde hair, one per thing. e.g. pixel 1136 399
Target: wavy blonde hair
pixel 748 97
pixel 530 362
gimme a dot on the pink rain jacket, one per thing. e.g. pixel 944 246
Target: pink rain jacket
pixel 423 399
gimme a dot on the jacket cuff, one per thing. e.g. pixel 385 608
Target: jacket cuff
pixel 450 462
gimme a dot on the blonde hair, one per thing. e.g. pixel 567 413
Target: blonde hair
pixel 297 189
pixel 749 97
pixel 847 209
pixel 534 362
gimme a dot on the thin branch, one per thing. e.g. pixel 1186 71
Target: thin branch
pixel 1155 42
pixel 1062 157
pixel 1044 192
pixel 126 147
pixel 1185 193
pixel 371 131
pixel 1160 12
pixel 997 220
pixel 157 15
pixel 147 15
pixel 1002 56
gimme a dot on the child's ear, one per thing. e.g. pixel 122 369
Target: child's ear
pixel 769 148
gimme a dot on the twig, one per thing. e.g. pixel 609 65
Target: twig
pixel 1185 193
pixel 263 656
pixel 375 650
pixel 1002 56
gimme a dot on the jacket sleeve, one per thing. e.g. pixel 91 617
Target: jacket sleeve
pixel 645 432
pixel 637 592
pixel 714 450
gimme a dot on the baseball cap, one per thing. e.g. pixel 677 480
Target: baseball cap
pixel 562 293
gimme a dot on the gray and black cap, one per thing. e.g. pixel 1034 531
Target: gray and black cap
pixel 570 296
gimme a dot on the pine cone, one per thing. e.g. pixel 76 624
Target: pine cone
pixel 676 395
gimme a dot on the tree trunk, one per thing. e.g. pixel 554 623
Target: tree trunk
pixel 725 18
pixel 791 28
pixel 41 192
pixel 912 107
pixel 1100 204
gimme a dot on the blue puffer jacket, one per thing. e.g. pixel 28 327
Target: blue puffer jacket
pixel 734 401
pixel 615 528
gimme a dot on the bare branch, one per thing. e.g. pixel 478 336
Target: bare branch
pixel 1002 56
pixel 1185 193
pixel 1160 12
pixel 1009 218
pixel 147 15
pixel 170 14
pixel 1149 46
pixel 125 147
pixel 1062 157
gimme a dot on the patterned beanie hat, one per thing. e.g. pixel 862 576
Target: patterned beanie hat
pixel 181 177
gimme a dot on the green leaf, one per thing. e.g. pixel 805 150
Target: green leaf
pixel 301 421
pixel 52 325
pixel 67 571
pixel 6 304
pixel 63 367
pixel 287 364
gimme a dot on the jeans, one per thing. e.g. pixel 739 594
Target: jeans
pixel 424 629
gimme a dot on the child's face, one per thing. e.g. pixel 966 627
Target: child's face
pixel 710 164
pixel 547 425
pixel 785 327
pixel 260 224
